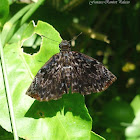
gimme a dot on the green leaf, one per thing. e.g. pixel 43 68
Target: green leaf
pixel 119 111
pixel 66 118
pixel 4 11
pixel 132 132
pixel 95 136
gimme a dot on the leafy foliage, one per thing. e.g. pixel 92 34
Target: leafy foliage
pixel 110 34
pixel 66 118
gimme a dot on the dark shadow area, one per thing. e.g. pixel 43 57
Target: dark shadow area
pixel 31 50
pixel 73 103
pixel 32 44
pixel 4 135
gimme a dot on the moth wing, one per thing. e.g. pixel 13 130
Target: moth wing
pixel 89 75
pixel 48 84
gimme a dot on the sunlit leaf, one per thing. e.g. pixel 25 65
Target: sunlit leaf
pixel 66 118
pixel 133 130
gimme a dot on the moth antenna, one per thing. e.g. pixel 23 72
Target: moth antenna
pixel 74 38
pixel 50 38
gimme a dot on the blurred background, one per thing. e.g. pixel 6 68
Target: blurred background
pixel 110 34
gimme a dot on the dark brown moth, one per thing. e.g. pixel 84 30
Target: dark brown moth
pixel 69 69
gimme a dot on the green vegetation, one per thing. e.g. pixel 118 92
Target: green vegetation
pixel 110 34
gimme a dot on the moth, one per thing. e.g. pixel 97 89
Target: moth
pixel 69 69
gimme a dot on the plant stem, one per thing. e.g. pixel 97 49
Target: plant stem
pixel 7 27
pixel 31 11
pixel 8 95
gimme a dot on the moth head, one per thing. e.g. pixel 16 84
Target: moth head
pixel 64 45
